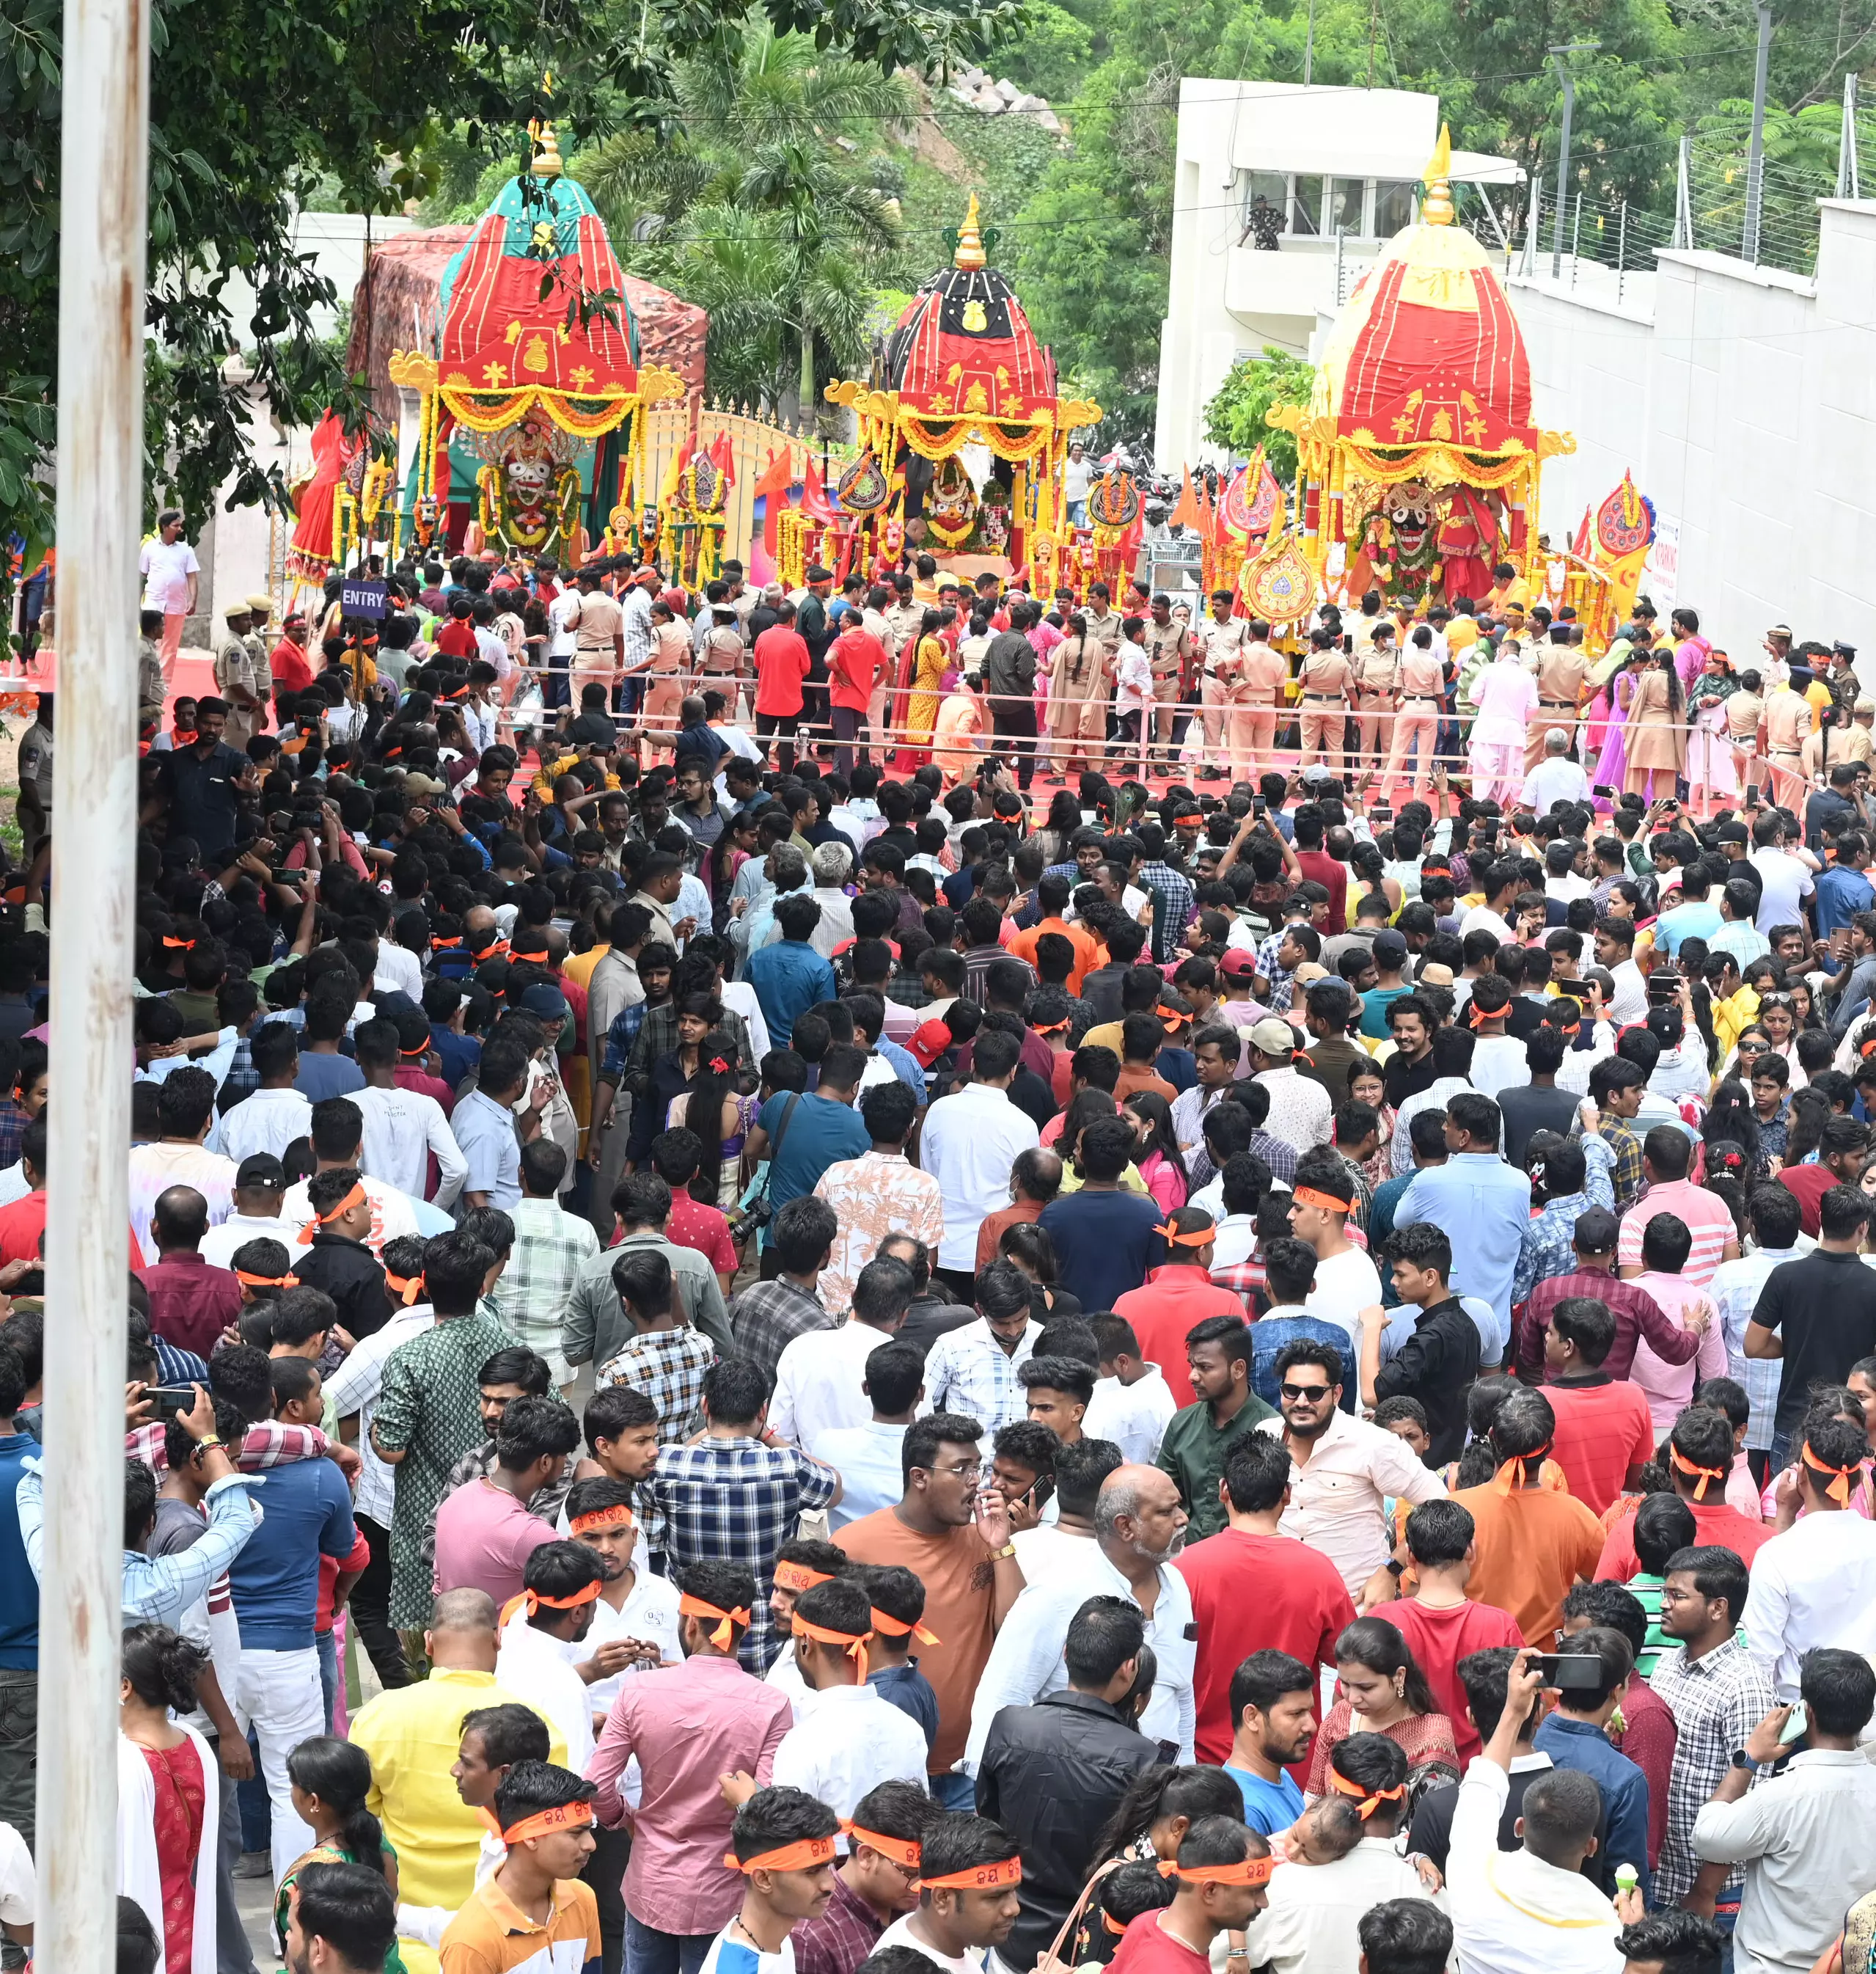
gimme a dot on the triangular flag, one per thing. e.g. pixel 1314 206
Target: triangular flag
pixel 814 502
pixel 1186 513
pixel 723 457
pixel 772 490
pixel 1580 547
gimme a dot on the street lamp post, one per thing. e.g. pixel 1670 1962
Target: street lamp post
pixel 1561 57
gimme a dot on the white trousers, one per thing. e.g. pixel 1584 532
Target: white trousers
pixel 279 1695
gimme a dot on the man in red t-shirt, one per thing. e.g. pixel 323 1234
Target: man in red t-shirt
pixel 1252 1589
pixel 857 662
pixel 287 662
pixel 457 638
pixel 1699 1456
pixel 1842 1154
pixel 1313 861
pixel 1605 1434
pixel 1440 1624
pixel 1175 1296
pixel 781 663
pixel 1220 1878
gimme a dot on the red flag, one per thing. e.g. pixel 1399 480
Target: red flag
pixel 814 502
pixel 772 490
pixel 1580 546
pixel 723 457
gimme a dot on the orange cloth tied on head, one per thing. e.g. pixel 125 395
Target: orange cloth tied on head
pixel 853 1643
pixel 1839 1489
pixel 1171 1235
pixel 617 1516
pixel 1366 1801
pixel 725 1635
pixel 406 1288
pixel 1188 821
pixel 894 1629
pixel 902 1850
pixel 267 1281
pixel 1327 1203
pixel 355 1198
pixel 543 1823
pixel 178 944
pixel 803 1856
pixel 531 1601
pixel 977 1878
pixel 797 1577
pixel 1247 1871
pixel 1708 1474
pixel 1524 1464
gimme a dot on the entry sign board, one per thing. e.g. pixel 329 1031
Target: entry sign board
pixel 1663 573
pixel 364 599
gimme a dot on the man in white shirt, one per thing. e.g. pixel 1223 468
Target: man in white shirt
pixel 972 1370
pixel 868 1457
pixel 1138 1523
pixel 1785 874
pixel 970 1140
pixel 1815 1584
pixel 846 1740
pixel 821 1377
pixel 1346 1280
pixel 1556 778
pixel 1500 883
pixel 1528 1911
pixel 402 1126
pixel 259 1182
pixel 170 576
pixel 1615 950
pixel 534 1657
pixel 1133 1405
pixel 270 1118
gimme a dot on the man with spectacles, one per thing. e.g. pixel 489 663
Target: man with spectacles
pixel 956 1541
pixel 1346 1468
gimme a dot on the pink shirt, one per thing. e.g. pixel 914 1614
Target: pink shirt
pixel 484 1538
pixel 1707 1219
pixel 688 1725
pixel 1669 1388
pixel 1506 696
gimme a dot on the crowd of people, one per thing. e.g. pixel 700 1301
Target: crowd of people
pixel 747 1360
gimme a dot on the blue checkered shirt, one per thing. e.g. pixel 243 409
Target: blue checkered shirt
pixel 1173 905
pixel 969 1371
pixel 1282 981
pixel 736 1500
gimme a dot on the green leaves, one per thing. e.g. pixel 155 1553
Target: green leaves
pixel 1235 417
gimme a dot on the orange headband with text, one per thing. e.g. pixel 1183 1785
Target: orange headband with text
pixel 1366 1801
pixel 893 1628
pixel 617 1516
pixel 355 1198
pixel 1708 1474
pixel 1249 1871
pixel 267 1281
pixel 1327 1203
pixel 805 1856
pixel 853 1643
pixel 902 1850
pixel 725 1635
pixel 543 1823
pixel 797 1577
pixel 531 1601
pixel 978 1878
pixel 1839 1489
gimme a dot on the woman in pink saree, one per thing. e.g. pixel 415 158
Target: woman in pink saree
pixel 1608 725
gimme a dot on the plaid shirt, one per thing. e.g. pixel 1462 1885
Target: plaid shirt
pixel 243 1079
pixel 1627 1147
pixel 768 1317
pixel 175 1366
pixel 844 1935
pixel 1544 1248
pixel 1280 1157
pixel 1282 981
pixel 1735 1288
pixel 1364 1191
pixel 13 1123
pixel 969 1371
pixel 1717 1701
pixel 1174 905
pixel 736 1500
pixel 531 1297
pixel 1774 1137
pixel 269 1444
pixel 657 1038
pixel 1245 1278
pixel 619 1040
pixel 668 1366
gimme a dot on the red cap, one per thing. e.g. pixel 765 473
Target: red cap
pixel 1237 963
pixel 929 1041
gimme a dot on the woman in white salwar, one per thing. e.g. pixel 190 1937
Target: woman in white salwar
pixel 1712 777
pixel 168 1798
pixel 1506 696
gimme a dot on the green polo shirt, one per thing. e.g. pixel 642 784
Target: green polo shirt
pixel 1193 1450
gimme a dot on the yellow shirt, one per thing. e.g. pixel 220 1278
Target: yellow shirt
pixel 1131 1181
pixel 413 1734
pixel 579 967
pixel 492 1935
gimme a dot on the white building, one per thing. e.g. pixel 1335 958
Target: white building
pixel 1335 171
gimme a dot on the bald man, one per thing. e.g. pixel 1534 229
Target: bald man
pixel 1138 1522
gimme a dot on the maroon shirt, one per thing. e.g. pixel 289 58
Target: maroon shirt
pixel 1637 1313
pixel 191 1303
pixel 1321 868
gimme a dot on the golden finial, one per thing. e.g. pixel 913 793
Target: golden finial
pixel 546 163
pixel 1437 208
pixel 970 252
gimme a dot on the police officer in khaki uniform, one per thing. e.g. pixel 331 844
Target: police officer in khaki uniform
pixel 1324 711
pixel 1376 681
pixel 238 679
pixel 1223 636
pixel 1563 671
pixel 1168 644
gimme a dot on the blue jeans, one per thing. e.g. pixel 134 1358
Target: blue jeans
pixel 954 1791
pixel 1784 1444
pixel 648 1951
pixel 328 1649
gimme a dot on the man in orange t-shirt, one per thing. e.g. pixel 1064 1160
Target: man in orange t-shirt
pixel 1051 894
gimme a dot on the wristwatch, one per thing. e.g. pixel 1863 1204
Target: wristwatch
pixel 1742 1760
pixel 1001 1555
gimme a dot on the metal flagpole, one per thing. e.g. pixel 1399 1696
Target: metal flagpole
pixel 1561 57
pixel 1755 156
pixel 103 165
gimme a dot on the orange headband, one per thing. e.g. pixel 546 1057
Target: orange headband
pixel 1708 1474
pixel 1839 1489
pixel 1505 1481
pixel 1307 1195
pixel 978 1878
pixel 724 1636
pixel 1367 1801
pixel 1112 1923
pixel 617 1516
pixel 853 1642
pixel 351 1199
pixel 179 945
pixel 797 1577
pixel 902 1850
pixel 407 1288
pixel 543 1823
pixel 1173 1238
pixel 894 1629
pixel 1188 821
pixel 444 944
pixel 267 1281
pixel 421 1049
pixel 531 1601
pixel 1049 1028
pixel 1250 1871
pixel 804 1856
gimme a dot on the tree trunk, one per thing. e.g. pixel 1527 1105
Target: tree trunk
pixel 811 406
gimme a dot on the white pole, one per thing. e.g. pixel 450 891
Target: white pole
pixel 103 215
